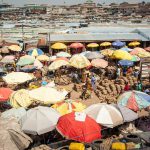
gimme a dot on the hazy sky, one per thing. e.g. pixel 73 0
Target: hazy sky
pixel 59 2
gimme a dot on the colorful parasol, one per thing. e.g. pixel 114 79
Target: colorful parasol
pixel 99 63
pixel 59 46
pixel 5 94
pixel 104 44
pixel 92 45
pixel 76 45
pixel 134 43
pixel 15 48
pixel 120 54
pixel 35 52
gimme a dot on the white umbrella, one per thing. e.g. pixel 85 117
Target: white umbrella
pixel 63 54
pixel 39 120
pixel 104 114
pixel 48 95
pixel 17 77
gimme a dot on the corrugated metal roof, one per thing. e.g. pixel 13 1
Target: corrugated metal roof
pixel 98 37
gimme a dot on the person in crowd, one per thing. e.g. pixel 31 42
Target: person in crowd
pixel 118 72
pixel 127 87
pixel 129 71
pixel 93 82
pixel 136 73
pixel 124 71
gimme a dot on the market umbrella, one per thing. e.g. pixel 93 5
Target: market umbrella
pixel 92 45
pixel 76 45
pixel 15 48
pixel 63 54
pixel 16 113
pixel 12 57
pixel 126 63
pixel 147 49
pixel 94 55
pixel 26 60
pixel 135 58
pixel 79 61
pixel 104 114
pixel 48 95
pixel 62 58
pixel 35 52
pixel 21 98
pixel 118 44
pixel 120 54
pixel 57 64
pixel 5 94
pixel 4 50
pixel 104 44
pixel 127 114
pixel 59 46
pixel 43 58
pixel 136 51
pixel 134 43
pixel 99 63
pixel 126 49
pixel 68 106
pixel 38 64
pixel 79 127
pixel 17 77
pixel 28 68
pixel 134 100
pixel 39 120
pixel 31 48
pixel 143 54
pixel 52 58
pixel 7 61
pixel 107 52
pixel 84 53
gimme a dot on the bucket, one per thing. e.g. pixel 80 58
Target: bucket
pixel 118 146
pixel 76 146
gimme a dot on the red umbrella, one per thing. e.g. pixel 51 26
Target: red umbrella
pixel 4 94
pixel 86 130
pixel 76 45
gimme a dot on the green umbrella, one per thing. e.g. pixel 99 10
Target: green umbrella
pixel 26 60
pixel 135 58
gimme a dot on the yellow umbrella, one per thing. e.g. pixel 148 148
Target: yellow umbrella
pixel 15 48
pixel 57 64
pixel 68 106
pixel 107 52
pixel 121 54
pixel 92 45
pixel 58 46
pixel 79 61
pixel 43 58
pixel 135 43
pixel 105 44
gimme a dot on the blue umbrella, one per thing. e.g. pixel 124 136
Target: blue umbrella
pixel 126 49
pixel 35 52
pixel 126 63
pixel 118 44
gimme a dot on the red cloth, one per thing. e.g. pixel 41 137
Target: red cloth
pixel 4 94
pixel 127 87
pixel 83 131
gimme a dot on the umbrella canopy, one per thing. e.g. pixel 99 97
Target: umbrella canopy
pixel 57 64
pixel 135 58
pixel 12 57
pixel 62 58
pixel 39 120
pixel 52 58
pixel 135 43
pixel 126 63
pixel 106 115
pixel 99 63
pixel 147 49
pixel 63 54
pixel 68 106
pixel 107 52
pixel 105 44
pixel 31 48
pixel 26 60
pixel 4 50
pixel 59 46
pixel 38 64
pixel 21 98
pixel 84 53
pixel 126 49
pixel 16 113
pixel 43 58
pixel 47 95
pixel 128 114
pixel 15 48
pixel 79 127
pixel 134 100
pixel 35 52
pixel 79 61
pixel 118 44
pixel 94 55
pixel 120 54
pixel 92 45
pixel 28 68
pixel 7 61
pixel 137 50
pixel 5 94
pixel 143 54
pixel 76 45
pixel 17 77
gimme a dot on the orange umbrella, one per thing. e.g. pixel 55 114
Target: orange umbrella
pixel 62 58
pixel 76 45
pixel 99 63
pixel 4 94
pixel 136 51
